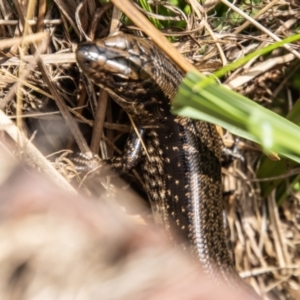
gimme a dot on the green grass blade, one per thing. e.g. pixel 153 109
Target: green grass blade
pixel 216 104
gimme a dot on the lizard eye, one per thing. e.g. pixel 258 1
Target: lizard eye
pixel 87 62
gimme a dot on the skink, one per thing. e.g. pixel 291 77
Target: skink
pixel 181 160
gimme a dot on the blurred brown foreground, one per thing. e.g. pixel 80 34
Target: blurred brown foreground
pixel 54 245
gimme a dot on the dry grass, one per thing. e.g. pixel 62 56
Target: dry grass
pixel 40 90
